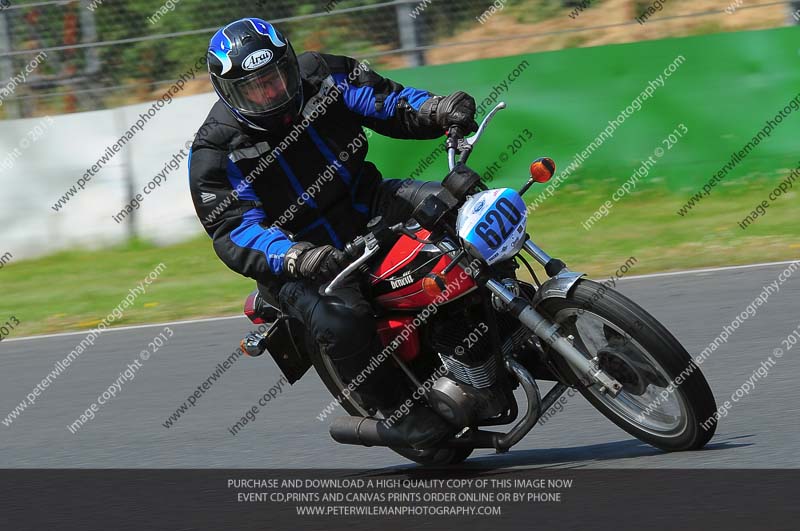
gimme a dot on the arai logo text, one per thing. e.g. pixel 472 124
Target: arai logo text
pixel 257 59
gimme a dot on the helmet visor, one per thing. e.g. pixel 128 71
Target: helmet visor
pixel 265 90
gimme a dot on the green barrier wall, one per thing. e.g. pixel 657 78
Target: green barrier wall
pixel 724 91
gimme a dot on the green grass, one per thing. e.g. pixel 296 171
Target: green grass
pixel 645 225
pixel 75 290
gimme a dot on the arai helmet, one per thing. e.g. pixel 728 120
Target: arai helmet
pixel 254 70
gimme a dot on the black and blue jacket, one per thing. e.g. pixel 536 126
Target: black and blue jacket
pixel 252 198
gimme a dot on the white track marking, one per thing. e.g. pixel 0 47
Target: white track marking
pixel 230 317
pixel 709 270
pixel 122 328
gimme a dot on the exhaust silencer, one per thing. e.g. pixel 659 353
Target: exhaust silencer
pixel 364 431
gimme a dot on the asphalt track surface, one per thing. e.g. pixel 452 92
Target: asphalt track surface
pixel 761 430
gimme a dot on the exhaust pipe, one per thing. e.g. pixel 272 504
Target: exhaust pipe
pixel 365 431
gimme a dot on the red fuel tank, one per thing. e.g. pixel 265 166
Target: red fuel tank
pixel 410 276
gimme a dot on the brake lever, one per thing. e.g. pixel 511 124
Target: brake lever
pixel 370 248
pixel 469 143
pixel 474 138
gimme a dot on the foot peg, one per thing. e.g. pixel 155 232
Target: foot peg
pixel 254 344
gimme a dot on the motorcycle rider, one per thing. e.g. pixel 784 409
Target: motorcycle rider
pixel 281 183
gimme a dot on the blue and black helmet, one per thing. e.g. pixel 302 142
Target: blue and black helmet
pixel 254 70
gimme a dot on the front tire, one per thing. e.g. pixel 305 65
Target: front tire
pixel 666 401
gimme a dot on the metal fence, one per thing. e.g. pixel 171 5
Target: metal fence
pixel 63 56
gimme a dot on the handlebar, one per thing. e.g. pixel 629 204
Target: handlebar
pixel 363 248
pixel 457 142
pixel 454 138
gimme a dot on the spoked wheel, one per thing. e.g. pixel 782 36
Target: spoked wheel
pixel 664 399
pixel 353 404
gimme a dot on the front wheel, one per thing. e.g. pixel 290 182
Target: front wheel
pixel 665 400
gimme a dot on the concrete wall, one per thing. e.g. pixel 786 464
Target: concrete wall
pixel 49 161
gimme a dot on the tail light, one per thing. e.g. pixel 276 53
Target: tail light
pixel 250 309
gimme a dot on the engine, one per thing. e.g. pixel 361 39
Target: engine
pixel 461 336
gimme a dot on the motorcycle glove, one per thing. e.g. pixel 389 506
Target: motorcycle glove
pixel 456 109
pixel 305 260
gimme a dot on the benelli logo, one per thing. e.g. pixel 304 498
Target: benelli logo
pixel 257 59
pixel 405 280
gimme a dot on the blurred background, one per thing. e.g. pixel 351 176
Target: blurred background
pixel 76 74
pixel 106 53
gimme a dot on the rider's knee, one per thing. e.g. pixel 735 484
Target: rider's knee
pixel 346 329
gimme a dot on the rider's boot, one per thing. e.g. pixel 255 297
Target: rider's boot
pixel 415 424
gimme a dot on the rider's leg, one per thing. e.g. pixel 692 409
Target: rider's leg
pixel 343 327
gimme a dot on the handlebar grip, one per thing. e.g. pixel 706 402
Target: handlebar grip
pixel 455 130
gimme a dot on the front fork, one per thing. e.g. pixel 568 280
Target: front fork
pixel 546 330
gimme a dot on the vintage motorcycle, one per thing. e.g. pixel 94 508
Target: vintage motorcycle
pixel 466 332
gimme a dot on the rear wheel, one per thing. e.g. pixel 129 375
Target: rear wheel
pixel 353 405
pixel 665 400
